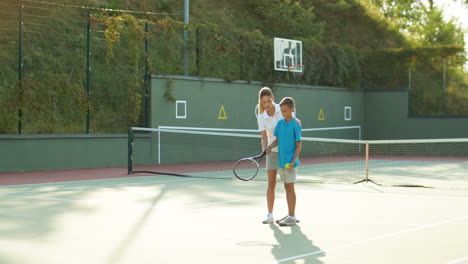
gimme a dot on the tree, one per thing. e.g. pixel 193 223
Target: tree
pixel 423 21
pixel 434 30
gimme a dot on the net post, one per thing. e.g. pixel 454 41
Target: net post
pixel 130 150
pixel 360 137
pixel 159 145
pixel 367 161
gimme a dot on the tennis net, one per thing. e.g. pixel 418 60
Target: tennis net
pixel 438 163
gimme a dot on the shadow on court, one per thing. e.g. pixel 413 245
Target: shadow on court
pixel 292 243
pixel 136 229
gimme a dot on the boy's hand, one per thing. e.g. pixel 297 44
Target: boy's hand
pixel 288 166
pixel 268 151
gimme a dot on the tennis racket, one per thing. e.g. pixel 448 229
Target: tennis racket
pixel 247 168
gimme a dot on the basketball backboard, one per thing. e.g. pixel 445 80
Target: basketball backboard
pixel 288 55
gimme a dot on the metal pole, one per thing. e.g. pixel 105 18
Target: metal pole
pixel 147 78
pixel 88 71
pixel 444 87
pixel 241 64
pixel 409 90
pixel 186 22
pixel 20 66
pixel 367 161
pixel 159 145
pixel 197 51
pixel 130 151
pixel 409 78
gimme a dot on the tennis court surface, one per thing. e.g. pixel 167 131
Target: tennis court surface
pixel 165 219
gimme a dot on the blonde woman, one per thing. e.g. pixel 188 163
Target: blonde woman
pixel 269 113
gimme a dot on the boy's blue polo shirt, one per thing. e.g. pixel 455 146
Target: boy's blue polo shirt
pixel 287 133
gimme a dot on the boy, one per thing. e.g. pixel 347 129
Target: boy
pixel 288 140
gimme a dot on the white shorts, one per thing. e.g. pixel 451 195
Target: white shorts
pixel 287 176
pixel 272 161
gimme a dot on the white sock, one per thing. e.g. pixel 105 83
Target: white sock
pixel 292 217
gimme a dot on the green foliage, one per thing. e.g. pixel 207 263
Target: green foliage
pixel 345 45
pixel 217 52
pixel 402 13
pixel 165 41
pixel 48 102
pixel 333 65
pixel 169 94
pixel 423 22
pixel 115 25
pixel 436 31
pixel 388 68
pixel 288 19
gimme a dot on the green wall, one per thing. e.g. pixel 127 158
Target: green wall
pixel 386 117
pixel 52 152
pixel 205 97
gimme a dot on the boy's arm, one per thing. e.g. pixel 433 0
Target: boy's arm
pixel 296 153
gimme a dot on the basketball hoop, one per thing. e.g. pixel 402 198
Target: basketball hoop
pixel 296 68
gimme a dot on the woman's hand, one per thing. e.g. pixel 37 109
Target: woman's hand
pixel 268 151
pixel 298 121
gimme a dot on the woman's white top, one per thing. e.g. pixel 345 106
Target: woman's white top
pixel 268 123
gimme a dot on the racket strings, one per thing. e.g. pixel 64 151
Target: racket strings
pixel 246 169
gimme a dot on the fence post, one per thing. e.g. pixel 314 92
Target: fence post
pixel 88 70
pixel 186 36
pixel 130 151
pixel 444 86
pixel 197 50
pixel 409 91
pixel 241 59
pixel 147 79
pixel 20 65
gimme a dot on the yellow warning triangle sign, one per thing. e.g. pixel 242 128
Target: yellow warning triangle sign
pixel 321 116
pixel 222 113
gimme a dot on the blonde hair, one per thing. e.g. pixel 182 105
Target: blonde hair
pixel 288 101
pixel 265 91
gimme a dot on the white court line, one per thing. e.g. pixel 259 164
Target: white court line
pixel 458 260
pixel 360 242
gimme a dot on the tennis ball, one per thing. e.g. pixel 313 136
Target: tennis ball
pixel 288 166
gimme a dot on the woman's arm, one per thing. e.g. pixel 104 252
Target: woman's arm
pixel 264 140
pixel 272 145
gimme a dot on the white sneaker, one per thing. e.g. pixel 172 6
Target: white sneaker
pixel 269 219
pixel 288 221
pixel 279 220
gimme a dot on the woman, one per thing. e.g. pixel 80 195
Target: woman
pixel 269 113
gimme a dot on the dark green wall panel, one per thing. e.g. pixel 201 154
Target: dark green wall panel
pixel 52 152
pixel 386 117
